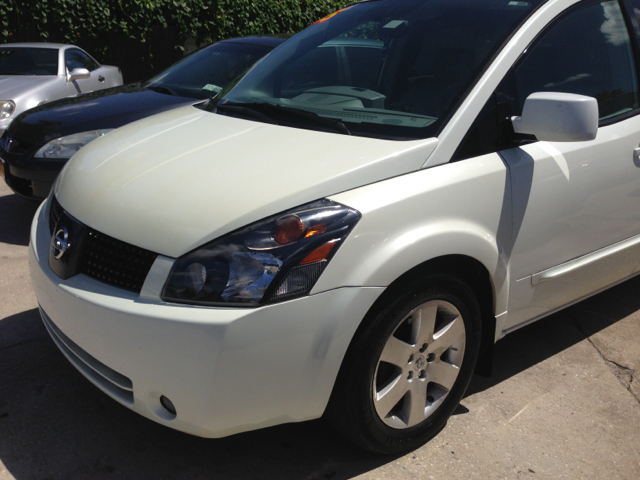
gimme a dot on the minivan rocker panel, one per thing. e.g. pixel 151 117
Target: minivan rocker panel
pixel 187 196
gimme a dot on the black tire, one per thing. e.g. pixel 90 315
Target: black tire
pixel 352 409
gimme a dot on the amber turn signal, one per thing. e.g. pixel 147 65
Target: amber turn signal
pixel 320 253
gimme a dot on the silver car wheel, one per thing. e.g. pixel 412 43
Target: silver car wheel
pixel 419 364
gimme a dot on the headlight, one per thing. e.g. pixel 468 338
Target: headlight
pixel 66 147
pixel 7 107
pixel 276 259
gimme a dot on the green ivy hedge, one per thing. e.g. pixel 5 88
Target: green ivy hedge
pixel 199 21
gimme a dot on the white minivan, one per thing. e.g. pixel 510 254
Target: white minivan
pixel 349 228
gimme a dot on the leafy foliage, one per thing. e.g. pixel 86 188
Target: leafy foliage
pixel 197 21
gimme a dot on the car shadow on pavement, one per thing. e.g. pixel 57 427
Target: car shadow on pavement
pixel 55 424
pixel 16 214
pixel 545 338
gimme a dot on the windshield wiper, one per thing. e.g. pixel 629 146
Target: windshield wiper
pixel 306 115
pixel 240 109
pixel 266 111
pixel 161 89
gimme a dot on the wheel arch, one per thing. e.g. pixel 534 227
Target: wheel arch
pixel 462 267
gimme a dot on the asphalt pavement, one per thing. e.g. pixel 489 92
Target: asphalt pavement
pixel 563 402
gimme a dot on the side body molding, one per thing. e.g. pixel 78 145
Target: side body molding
pixel 627 247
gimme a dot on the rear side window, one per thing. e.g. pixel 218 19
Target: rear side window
pixel 587 52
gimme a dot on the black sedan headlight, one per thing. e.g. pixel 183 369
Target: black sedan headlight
pixel 276 259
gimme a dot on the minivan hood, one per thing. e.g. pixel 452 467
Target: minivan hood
pixel 172 182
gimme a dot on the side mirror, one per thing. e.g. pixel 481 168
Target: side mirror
pixel 558 117
pixel 79 74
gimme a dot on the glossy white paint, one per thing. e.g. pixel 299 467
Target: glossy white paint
pixel 410 219
pixel 558 117
pixel 592 189
pixel 216 175
pixel 218 366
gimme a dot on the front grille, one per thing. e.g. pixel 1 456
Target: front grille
pixel 54 214
pixel 105 258
pixel 114 262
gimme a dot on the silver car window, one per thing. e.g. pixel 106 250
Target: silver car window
pixel 28 61
pixel 75 58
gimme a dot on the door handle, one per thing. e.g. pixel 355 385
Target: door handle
pixel 101 79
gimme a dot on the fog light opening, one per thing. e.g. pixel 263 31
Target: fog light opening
pixel 168 405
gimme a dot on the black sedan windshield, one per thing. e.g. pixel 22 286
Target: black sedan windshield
pixel 388 68
pixel 206 72
pixel 28 61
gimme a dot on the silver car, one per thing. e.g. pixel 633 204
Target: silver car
pixel 36 73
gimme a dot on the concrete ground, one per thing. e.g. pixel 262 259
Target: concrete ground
pixel 564 402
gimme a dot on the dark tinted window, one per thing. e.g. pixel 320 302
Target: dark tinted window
pixel 207 71
pixel 75 58
pixel 633 10
pixel 28 61
pixel 588 52
pixel 349 61
pixel 364 64
pixel 318 68
pixel 389 68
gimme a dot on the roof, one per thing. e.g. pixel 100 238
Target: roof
pixel 56 46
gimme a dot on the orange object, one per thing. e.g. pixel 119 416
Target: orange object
pixel 320 253
pixel 331 15
pixel 288 230
pixel 316 230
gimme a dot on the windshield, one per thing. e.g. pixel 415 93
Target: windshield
pixel 28 61
pixel 388 68
pixel 206 72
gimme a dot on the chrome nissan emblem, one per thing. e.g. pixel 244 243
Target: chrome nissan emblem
pixel 60 243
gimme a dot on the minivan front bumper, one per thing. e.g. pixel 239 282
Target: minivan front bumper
pixel 226 370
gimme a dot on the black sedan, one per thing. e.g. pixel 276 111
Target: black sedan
pixel 39 142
